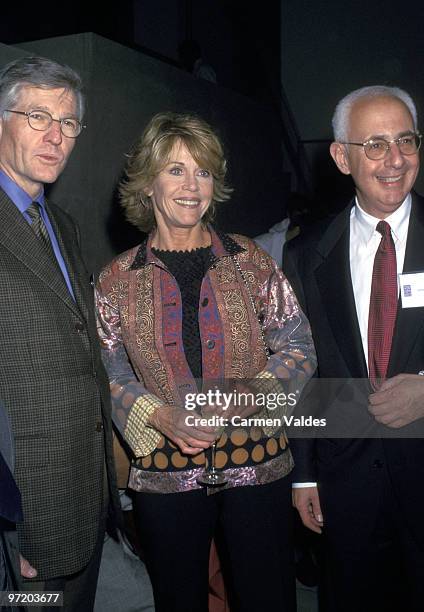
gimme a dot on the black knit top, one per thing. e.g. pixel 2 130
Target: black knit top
pixel 188 269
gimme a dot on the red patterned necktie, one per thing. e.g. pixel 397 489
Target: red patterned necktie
pixel 383 306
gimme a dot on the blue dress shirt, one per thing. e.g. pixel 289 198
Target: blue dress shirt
pixel 23 201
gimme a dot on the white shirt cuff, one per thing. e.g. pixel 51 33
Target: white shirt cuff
pixel 303 485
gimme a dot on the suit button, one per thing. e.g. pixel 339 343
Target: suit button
pixel 99 426
pixel 79 326
pixel 205 302
pixel 377 465
pixel 210 344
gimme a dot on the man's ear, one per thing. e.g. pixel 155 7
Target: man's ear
pixel 339 154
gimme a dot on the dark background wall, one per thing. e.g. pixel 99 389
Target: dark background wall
pixel 329 48
pixel 241 40
pixel 281 67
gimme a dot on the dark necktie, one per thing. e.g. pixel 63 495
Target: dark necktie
pixel 39 228
pixel 383 306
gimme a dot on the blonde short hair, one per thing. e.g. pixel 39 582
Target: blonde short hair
pixel 151 154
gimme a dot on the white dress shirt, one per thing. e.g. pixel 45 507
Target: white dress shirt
pixel 364 242
pixel 363 245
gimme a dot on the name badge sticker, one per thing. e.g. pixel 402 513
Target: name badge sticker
pixel 412 289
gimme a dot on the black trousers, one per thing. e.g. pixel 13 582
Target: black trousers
pixel 383 574
pixel 252 527
pixel 10 579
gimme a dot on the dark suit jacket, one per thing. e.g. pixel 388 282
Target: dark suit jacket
pixel 10 497
pixel 56 393
pixel 10 509
pixel 350 472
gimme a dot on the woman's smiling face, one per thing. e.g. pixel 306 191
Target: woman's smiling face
pixel 182 192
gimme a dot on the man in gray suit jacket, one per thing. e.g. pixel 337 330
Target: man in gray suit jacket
pixel 51 381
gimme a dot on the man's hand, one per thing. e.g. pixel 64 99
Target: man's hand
pixel 306 500
pixel 27 571
pixel 399 401
pixel 178 425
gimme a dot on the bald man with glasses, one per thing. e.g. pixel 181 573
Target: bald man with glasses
pixel 360 280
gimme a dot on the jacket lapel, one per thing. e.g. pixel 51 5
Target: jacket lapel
pixel 335 286
pixel 16 235
pixel 69 248
pixel 409 321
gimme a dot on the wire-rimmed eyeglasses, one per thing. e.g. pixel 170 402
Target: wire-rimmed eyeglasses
pixel 41 120
pixel 377 148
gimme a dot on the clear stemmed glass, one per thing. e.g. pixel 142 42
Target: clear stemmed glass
pixel 212 476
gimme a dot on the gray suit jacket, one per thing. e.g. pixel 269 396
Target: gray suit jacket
pixel 56 392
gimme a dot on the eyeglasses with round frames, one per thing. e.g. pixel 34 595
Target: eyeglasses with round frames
pixel 41 120
pixel 377 148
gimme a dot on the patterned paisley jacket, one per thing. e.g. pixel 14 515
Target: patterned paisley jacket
pixel 251 327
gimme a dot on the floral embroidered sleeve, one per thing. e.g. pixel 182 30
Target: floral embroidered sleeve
pixel 288 336
pixel 132 404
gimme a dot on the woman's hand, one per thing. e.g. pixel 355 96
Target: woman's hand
pixel 179 426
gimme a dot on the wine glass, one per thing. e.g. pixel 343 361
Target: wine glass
pixel 212 476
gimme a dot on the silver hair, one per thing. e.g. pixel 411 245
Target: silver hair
pixel 38 72
pixel 341 115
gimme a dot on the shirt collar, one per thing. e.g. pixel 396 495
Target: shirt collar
pixel 398 221
pixel 19 197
